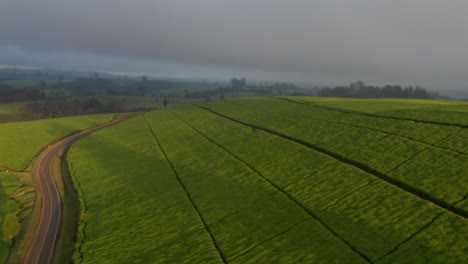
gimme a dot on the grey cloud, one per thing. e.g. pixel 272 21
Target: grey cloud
pixel 401 41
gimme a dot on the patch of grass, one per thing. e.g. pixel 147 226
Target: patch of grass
pixel 9 222
pixel 20 141
pixel 71 210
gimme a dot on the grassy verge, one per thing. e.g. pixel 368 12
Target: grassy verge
pixel 71 211
pixel 29 215
pixel 9 223
pixel 21 141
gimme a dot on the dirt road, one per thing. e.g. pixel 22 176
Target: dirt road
pixel 43 246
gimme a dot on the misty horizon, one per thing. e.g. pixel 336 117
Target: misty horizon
pixel 417 43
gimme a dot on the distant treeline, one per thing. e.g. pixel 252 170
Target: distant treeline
pixel 360 90
pixel 240 88
pixel 128 87
pixel 57 108
pixel 10 95
pixel 66 107
pixel 82 86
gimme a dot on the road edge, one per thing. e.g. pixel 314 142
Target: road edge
pixel 33 223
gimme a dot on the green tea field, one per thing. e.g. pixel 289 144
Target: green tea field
pixel 277 180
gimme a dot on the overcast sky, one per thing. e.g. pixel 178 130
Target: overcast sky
pixel 409 42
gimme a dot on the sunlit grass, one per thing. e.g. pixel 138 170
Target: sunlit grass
pixel 9 223
pixel 20 141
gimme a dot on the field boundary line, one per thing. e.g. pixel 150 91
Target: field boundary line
pixel 363 127
pixel 410 237
pixel 416 154
pixel 342 198
pixel 398 184
pixel 461 200
pixel 270 238
pixel 189 196
pixel 336 109
pixel 292 199
pixel 84 210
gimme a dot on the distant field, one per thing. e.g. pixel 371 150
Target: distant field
pixel 21 83
pixel 20 141
pixel 178 88
pixel 10 108
pixel 431 110
pixel 145 102
pixel 378 105
pixel 25 83
pixel 9 225
pixel 267 180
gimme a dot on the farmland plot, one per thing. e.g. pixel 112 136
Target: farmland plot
pixel 388 156
pixel 339 193
pixel 133 208
pixel 445 112
pixel 267 180
pixel 233 212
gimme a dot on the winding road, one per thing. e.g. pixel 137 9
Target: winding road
pixel 43 246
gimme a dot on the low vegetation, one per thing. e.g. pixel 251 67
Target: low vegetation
pixel 9 223
pixel 275 180
pixel 20 141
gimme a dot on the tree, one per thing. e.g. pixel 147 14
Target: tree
pixel 238 83
pixel 43 85
pixel 420 92
pixel 165 102
pixel 141 90
pixel 357 86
